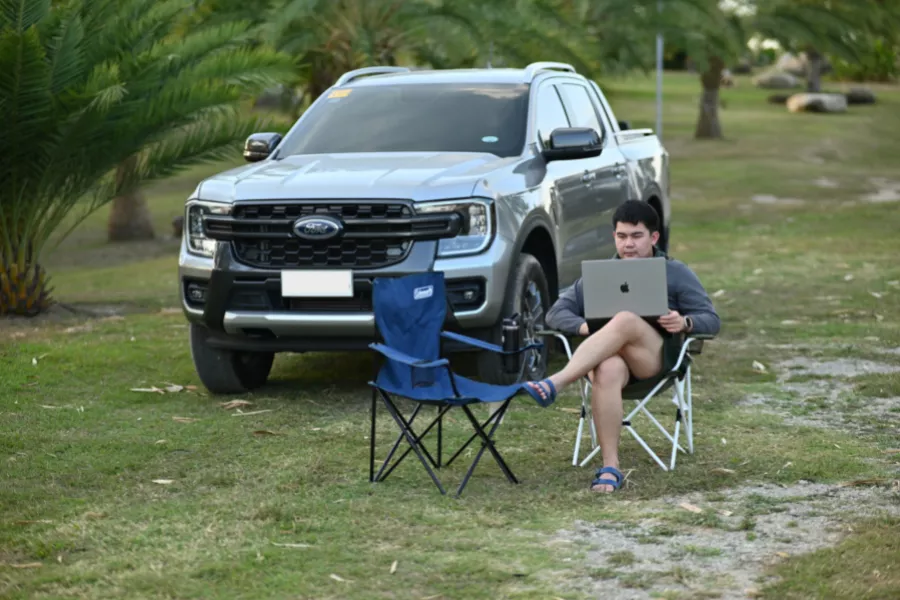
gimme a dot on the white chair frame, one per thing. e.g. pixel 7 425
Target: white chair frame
pixel 682 398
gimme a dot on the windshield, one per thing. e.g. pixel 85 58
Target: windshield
pixel 415 118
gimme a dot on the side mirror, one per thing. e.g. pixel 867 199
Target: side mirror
pixel 624 125
pixel 260 145
pixel 568 143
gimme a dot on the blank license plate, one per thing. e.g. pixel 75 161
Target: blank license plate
pixel 317 284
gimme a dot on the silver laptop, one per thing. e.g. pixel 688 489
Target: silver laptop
pixel 636 285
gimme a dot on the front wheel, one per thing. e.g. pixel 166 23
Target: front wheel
pixel 528 294
pixel 228 371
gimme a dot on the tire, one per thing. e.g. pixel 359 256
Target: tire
pixel 228 371
pixel 527 282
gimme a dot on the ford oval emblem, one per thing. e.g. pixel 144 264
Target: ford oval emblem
pixel 317 229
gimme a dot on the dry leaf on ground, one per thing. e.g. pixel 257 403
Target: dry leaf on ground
pixel 29 522
pixel 723 471
pixel 394 567
pixel 338 578
pixel 174 388
pixel 892 451
pixel 289 545
pixel 153 389
pixel 184 419
pixel 235 404
pixel 691 507
pixel 163 481
pixel 857 482
pixel 759 367
pixel 33 565
pixel 239 413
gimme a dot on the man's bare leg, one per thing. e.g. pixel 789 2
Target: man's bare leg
pixel 606 403
pixel 626 335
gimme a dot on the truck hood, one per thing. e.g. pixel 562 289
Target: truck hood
pixel 416 176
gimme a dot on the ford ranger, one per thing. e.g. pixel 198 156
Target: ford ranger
pixel 504 179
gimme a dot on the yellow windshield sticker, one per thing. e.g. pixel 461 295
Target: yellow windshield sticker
pixel 339 93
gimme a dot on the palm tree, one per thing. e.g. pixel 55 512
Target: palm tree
pixel 330 37
pixel 97 96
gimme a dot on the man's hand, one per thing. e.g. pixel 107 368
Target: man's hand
pixel 672 322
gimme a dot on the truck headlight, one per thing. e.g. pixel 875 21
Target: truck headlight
pixel 477 228
pixel 197 242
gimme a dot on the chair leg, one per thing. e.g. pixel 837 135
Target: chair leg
pixel 413 441
pixel 490 419
pixel 689 401
pixel 440 423
pixel 372 440
pixel 487 444
pixel 419 438
pixel 679 416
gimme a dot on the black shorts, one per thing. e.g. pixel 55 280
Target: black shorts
pixel 671 349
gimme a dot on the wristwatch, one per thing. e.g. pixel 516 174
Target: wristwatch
pixel 688 324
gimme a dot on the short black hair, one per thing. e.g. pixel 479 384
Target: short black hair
pixel 636 212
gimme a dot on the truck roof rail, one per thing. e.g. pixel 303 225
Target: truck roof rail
pixel 357 73
pixel 532 70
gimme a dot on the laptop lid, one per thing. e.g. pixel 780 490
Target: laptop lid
pixel 636 285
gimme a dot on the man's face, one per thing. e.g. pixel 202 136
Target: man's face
pixel 635 241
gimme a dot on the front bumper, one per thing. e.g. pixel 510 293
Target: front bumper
pixel 283 324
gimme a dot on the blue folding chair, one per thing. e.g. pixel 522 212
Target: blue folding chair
pixel 410 314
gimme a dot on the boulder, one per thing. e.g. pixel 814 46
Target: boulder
pixel 820 103
pixel 791 63
pixel 774 80
pixel 860 95
pixel 742 68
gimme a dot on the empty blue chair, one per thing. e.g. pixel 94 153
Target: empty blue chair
pixel 410 313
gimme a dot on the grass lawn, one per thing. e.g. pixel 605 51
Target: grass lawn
pixel 110 493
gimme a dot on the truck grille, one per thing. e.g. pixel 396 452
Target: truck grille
pixel 375 234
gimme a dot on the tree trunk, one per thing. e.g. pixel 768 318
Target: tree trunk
pixel 23 292
pixel 708 126
pixel 129 217
pixel 814 62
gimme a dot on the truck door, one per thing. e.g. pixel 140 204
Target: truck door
pixel 568 184
pixel 607 181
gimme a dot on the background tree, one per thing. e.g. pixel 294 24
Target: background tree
pixel 836 28
pixel 91 85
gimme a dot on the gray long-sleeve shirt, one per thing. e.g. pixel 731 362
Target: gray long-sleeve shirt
pixel 686 295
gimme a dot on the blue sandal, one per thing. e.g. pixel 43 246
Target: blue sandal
pixel 545 402
pixel 614 483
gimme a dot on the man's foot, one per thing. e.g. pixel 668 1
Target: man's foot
pixel 544 392
pixel 610 474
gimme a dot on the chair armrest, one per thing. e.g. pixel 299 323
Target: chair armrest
pixel 476 343
pixel 559 335
pixel 406 359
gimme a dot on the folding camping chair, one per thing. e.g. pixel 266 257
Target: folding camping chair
pixel 410 313
pixel 643 391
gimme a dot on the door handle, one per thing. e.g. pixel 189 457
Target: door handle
pixel 588 177
pixel 620 171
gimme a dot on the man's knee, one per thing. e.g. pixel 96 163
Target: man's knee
pixel 611 373
pixel 626 320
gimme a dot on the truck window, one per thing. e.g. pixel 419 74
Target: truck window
pixel 550 113
pixel 458 117
pixel 581 109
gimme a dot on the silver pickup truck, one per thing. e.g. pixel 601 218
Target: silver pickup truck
pixel 504 179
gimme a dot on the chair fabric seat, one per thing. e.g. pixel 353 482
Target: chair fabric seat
pixel 439 390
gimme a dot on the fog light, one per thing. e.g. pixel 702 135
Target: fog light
pixel 469 295
pixel 196 293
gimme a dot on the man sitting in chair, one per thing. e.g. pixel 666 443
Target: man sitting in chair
pixel 627 347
